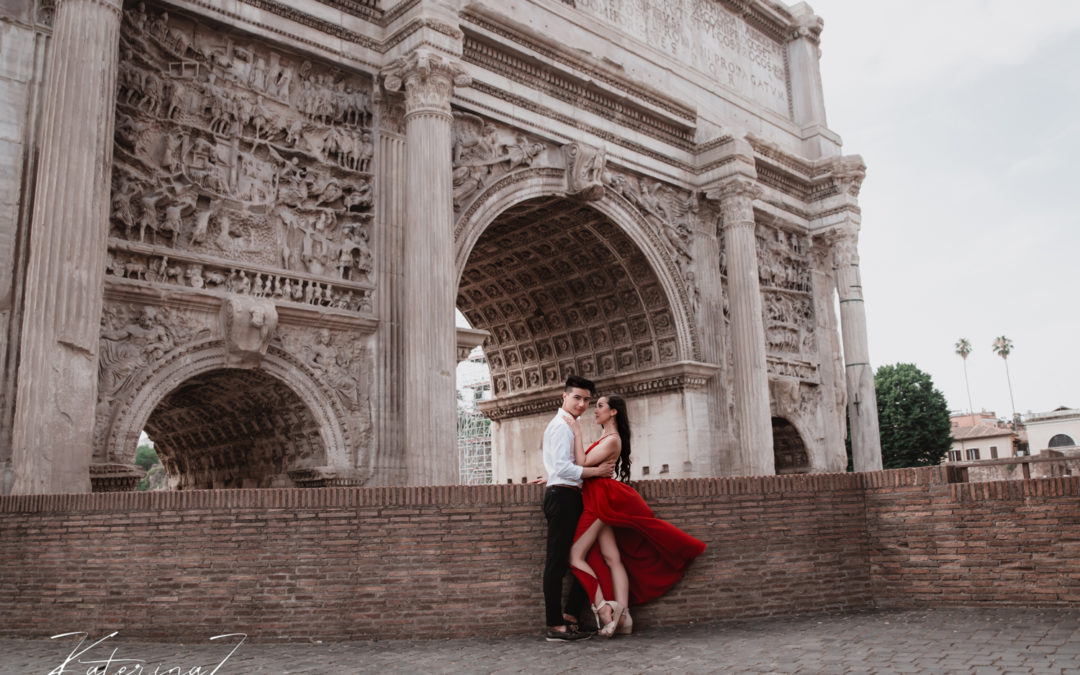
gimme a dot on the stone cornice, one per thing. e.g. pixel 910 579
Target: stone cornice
pixel 362 9
pixel 209 301
pixel 672 377
pixel 557 53
pixel 468 339
pixel 581 92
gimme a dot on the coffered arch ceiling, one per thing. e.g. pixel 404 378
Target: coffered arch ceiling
pixel 234 428
pixel 563 290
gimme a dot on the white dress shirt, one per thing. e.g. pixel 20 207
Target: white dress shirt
pixel 559 452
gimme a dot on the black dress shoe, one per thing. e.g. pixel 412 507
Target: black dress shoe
pixel 567 635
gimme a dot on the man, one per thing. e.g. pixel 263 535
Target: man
pixel 562 508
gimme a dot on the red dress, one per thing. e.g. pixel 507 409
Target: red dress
pixel 655 553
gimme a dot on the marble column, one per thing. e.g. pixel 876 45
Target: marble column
pixel 57 390
pixel 753 419
pixel 389 453
pixel 861 399
pixel 833 457
pixel 711 448
pixel 429 285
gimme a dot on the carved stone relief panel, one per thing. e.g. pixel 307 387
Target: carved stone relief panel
pixel 484 151
pixel 671 213
pixel 254 166
pixel 784 272
pixel 709 36
pixel 135 340
pixel 796 401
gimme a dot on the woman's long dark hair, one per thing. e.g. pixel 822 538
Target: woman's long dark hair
pixel 622 424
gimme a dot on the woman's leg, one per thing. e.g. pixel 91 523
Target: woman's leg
pixel 577 559
pixel 610 550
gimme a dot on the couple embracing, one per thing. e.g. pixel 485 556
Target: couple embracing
pixel 600 527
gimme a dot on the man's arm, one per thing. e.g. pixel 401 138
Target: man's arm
pixel 604 470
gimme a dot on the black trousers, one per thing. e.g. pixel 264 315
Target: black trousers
pixel 562 508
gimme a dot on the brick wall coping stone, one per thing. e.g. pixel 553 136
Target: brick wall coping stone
pixel 530 494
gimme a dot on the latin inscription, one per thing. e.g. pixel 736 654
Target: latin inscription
pixel 706 36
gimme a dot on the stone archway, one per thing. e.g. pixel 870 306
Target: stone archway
pixel 234 428
pixel 789 451
pixel 549 184
pixel 565 285
pixel 282 401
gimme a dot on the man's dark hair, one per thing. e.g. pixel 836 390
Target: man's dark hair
pixel 579 382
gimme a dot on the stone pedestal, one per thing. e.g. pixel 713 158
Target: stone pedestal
pixel 861 398
pixel 429 284
pixel 752 417
pixel 57 392
pixel 804 55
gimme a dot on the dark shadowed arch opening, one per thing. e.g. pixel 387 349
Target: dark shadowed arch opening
pixel 789 451
pixel 232 428
pixel 563 290
pixel 1061 441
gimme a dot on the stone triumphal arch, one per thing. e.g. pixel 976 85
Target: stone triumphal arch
pixel 244 228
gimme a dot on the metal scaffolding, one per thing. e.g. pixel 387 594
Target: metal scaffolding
pixel 474 447
pixel 473 429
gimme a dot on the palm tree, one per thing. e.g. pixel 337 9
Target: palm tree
pixel 963 348
pixel 1003 347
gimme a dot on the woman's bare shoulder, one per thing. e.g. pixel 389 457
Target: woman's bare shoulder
pixel 610 446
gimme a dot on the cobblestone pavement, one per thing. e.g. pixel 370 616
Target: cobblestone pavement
pixel 911 641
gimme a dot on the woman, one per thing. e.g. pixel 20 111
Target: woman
pixel 621 552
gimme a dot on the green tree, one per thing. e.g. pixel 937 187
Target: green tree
pixel 146 457
pixel 913 416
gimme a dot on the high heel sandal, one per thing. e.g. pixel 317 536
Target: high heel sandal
pixel 627 625
pixel 616 613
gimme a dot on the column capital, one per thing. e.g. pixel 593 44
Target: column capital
pixel 843 244
pixel 736 197
pixel 428 79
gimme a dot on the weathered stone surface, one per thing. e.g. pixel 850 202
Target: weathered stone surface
pixel 561 173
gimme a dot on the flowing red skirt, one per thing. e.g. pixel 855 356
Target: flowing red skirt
pixel 655 553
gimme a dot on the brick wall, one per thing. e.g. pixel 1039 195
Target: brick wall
pixel 341 563
pixel 1005 543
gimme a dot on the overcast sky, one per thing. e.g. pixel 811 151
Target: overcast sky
pixel 967 113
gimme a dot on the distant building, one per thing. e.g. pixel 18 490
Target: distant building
pixel 1057 430
pixel 970 419
pixel 982 441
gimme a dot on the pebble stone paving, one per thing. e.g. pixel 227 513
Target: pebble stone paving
pixel 997 640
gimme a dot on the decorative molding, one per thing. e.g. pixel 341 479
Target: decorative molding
pixel 736 197
pixel 584 170
pixel 112 477
pixel 428 79
pixel 578 92
pixel 604 134
pixel 673 377
pixel 558 54
pixel 292 14
pixel 209 301
pixel 469 339
pixel 328 476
